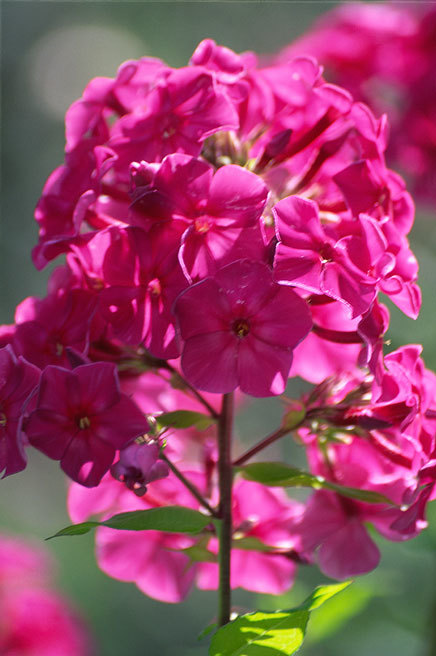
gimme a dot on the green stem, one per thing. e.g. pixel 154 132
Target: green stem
pixel 191 487
pixel 225 426
pixel 266 441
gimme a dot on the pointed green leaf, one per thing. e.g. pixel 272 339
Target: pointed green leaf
pixel 329 619
pixel 261 634
pixel 184 419
pixel 75 529
pixel 169 519
pixel 280 633
pixel 322 594
pixel 277 474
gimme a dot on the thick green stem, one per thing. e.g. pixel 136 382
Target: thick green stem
pixel 225 426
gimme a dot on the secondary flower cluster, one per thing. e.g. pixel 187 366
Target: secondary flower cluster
pixel 225 226
pixel 35 618
pixel 385 54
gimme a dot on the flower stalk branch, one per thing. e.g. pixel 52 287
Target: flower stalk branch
pixel 190 486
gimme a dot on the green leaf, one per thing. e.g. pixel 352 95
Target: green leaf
pixel 280 633
pixel 75 529
pixel 261 634
pixel 334 615
pixel 277 474
pixel 169 519
pixel 184 419
pixel 322 594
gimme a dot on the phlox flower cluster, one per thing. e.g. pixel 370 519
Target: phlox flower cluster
pixel 385 55
pixel 35 619
pixel 225 226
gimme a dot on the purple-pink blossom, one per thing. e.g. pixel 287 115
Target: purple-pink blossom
pixel 239 330
pixel 81 418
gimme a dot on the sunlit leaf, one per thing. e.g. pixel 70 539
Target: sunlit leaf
pixel 280 633
pixel 334 615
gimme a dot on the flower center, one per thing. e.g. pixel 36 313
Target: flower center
pixel 201 224
pixel 154 287
pixel 327 253
pixel 84 423
pixel 241 328
pixel 3 420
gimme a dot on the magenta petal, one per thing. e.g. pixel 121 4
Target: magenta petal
pixel 339 284
pixel 237 194
pixel 169 578
pixel 261 573
pixel 83 502
pixel 284 320
pixel 160 338
pixel 348 552
pixel 99 387
pixel 202 308
pixel 158 572
pixel 248 286
pixel 121 423
pixel 49 432
pixel 209 362
pixel 299 267
pixel 87 459
pixel 58 390
pixel 298 224
pixel 263 369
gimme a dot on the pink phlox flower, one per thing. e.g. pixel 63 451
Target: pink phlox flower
pixel 397 395
pixel 46 327
pixel 81 419
pixel 310 256
pixel 335 524
pixel 18 381
pixel 55 210
pixel 228 66
pixel 239 329
pixel 143 278
pixel 180 112
pixel 345 548
pixel 105 97
pixel 220 210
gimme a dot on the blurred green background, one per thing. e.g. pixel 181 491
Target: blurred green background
pixel 49 52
